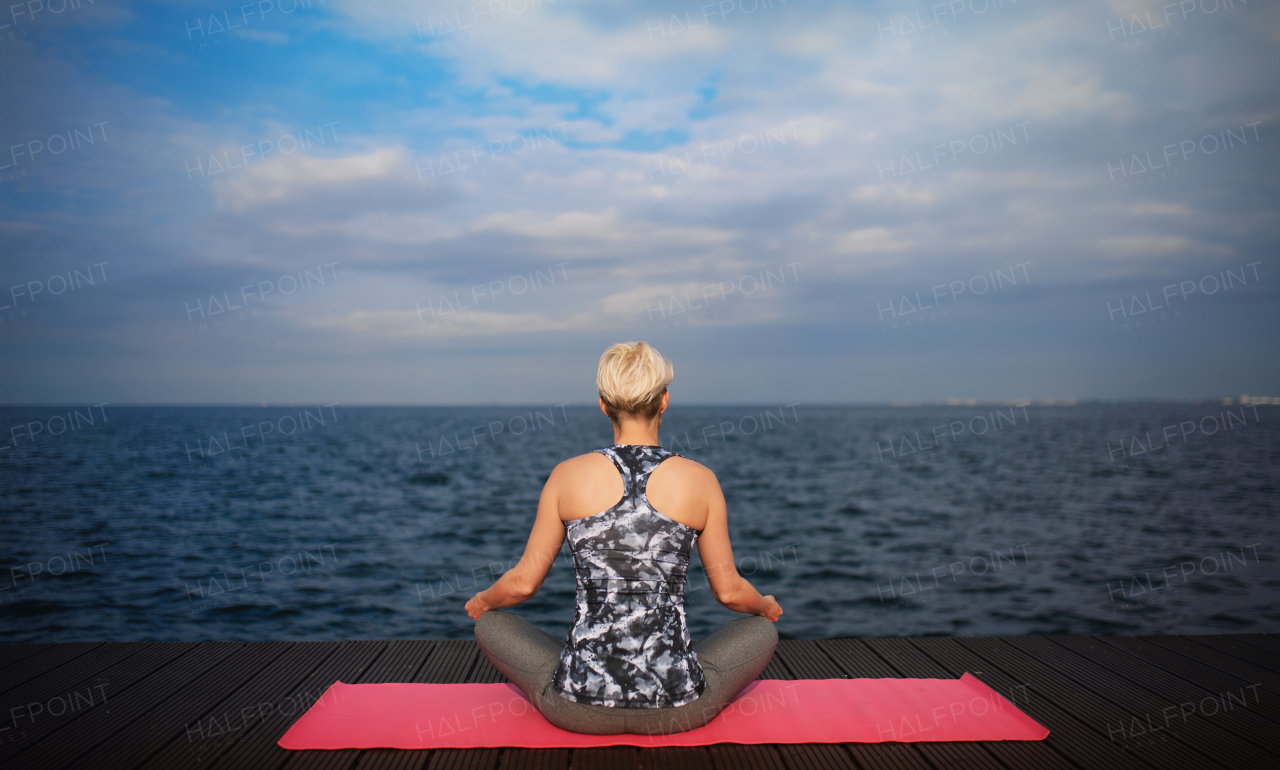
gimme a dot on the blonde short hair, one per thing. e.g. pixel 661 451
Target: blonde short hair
pixel 631 379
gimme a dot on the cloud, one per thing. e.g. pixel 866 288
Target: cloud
pixel 452 323
pixel 283 178
pixel 871 240
pixel 1131 246
pixel 661 175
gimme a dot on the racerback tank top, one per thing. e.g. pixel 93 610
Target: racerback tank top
pixel 629 645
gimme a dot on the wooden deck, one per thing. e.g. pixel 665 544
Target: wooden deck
pixel 1110 702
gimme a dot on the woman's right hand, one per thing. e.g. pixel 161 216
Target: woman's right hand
pixel 773 610
pixel 476 607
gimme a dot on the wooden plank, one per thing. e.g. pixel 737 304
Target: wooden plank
pixel 853 659
pixel 1095 710
pixel 79 671
pixel 93 681
pixel 1238 649
pixel 911 662
pixel 172 713
pixel 226 724
pixel 484 671
pixel 464 759
pixel 403 666
pixel 1080 687
pixel 340 759
pixel 676 757
pixel 1143 697
pixel 393 759
pixel 400 663
pixel 533 759
pixel 856 659
pixel 65 746
pixel 815 756
pixel 735 756
pixel 1229 731
pixel 1197 672
pixel 449 662
pixel 1261 641
pixel 1220 661
pixel 1073 738
pixel 44 662
pixel 606 758
pixel 401 660
pixel 13 653
pixel 1119 708
pixel 774 670
pixel 259 749
pixel 453 662
pixel 805 660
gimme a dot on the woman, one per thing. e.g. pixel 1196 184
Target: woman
pixel 632 513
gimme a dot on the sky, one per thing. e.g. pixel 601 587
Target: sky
pixel 438 202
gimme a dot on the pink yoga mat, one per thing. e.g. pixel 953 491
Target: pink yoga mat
pixel 454 716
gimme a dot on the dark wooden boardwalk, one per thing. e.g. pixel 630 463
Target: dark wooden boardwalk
pixel 1110 702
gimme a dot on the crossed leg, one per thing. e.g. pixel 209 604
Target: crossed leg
pixel 731 659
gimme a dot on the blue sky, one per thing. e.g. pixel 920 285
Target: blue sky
pixel 449 202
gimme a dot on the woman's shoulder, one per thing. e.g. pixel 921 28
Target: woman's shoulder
pixel 596 464
pixel 683 465
pixel 589 463
pixel 688 475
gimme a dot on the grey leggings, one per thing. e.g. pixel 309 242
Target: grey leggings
pixel 731 658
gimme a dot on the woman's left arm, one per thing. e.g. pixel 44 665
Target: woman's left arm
pixel 523 581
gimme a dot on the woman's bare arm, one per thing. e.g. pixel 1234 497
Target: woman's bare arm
pixel 730 589
pixel 521 582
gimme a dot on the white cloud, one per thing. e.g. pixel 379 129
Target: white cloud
pixel 871 240
pixel 1143 245
pixel 452 323
pixel 284 177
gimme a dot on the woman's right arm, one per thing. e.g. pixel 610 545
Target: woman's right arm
pixel 730 589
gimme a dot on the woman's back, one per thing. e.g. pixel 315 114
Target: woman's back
pixel 679 488
pixel 632 514
pixel 629 645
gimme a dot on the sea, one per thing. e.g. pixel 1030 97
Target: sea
pixel 131 523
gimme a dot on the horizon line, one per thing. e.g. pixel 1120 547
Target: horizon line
pixel 895 403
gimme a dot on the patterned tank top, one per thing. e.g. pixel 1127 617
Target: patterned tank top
pixel 629 646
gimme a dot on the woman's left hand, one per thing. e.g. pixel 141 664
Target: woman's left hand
pixel 476 607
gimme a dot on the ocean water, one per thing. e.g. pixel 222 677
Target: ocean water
pixel 194 523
